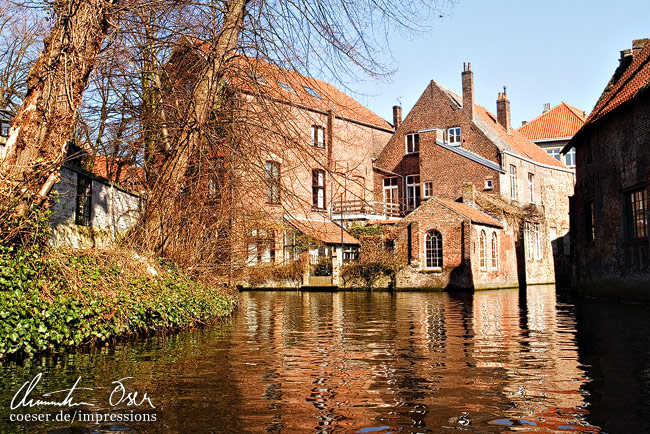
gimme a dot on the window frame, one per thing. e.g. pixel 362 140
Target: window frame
pixel 482 250
pixel 531 187
pixel 514 194
pixel 413 193
pixel 538 241
pixel 316 141
pixel 393 188
pixel 83 201
pixel 272 177
pixel 414 147
pixel 433 252
pixel 318 193
pixel 494 251
pixel 427 191
pixel 636 211
pixel 571 155
pixel 4 129
pixel 455 137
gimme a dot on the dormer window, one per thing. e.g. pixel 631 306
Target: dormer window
pixel 312 92
pixel 257 78
pixel 4 129
pixel 318 136
pixel 412 143
pixel 453 135
pixel 286 87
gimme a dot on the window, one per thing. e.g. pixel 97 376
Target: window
pixel 428 189
pixel 257 78
pixel 453 135
pixel 412 143
pixel 495 250
pixel 570 158
pixel 482 257
pixel 272 175
pixel 286 87
pixel 84 200
pixel 637 215
pixel 350 254
pixel 412 191
pixel 555 153
pixel 318 136
pixel 4 129
pixel 528 233
pixel 489 184
pixel 261 247
pixel 433 250
pixel 390 190
pixel 312 92
pixel 318 188
pixel 531 188
pixel 590 230
pixel 513 182
pixel 538 241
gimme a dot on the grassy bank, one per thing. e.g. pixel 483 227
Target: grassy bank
pixel 56 299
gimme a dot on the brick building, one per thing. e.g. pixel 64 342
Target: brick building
pixel 447 141
pixel 553 129
pixel 609 219
pixel 303 148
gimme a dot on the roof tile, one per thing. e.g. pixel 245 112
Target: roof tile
pixel 561 121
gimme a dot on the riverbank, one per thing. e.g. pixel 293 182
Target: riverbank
pixel 51 300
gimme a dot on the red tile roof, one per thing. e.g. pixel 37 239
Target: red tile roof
pixel 561 121
pixel 257 75
pixel 468 211
pixel 635 79
pixel 516 141
pixel 108 168
pixel 326 231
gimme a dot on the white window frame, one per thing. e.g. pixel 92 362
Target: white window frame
pixel 531 187
pixel 513 182
pixel 433 254
pixel 412 147
pixel 454 135
pixel 412 191
pixel 391 190
pixel 555 153
pixel 538 241
pixel 489 184
pixel 318 136
pixel 570 158
pixel 528 233
pixel 428 190
pixel 318 189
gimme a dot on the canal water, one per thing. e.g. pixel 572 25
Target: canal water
pixel 353 362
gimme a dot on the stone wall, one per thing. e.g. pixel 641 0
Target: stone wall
pixel 113 212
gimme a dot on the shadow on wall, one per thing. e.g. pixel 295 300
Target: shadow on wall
pixel 562 259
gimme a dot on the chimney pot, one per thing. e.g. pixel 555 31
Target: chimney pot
pixel 397 116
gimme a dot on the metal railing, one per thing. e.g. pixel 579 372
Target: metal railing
pixel 360 207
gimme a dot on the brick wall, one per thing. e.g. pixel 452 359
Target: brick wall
pixel 611 265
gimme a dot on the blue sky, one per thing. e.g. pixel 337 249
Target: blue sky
pixel 543 51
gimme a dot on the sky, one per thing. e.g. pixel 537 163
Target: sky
pixel 544 52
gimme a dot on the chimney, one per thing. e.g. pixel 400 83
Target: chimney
pixel 503 110
pixel 547 107
pixel 523 123
pixel 468 90
pixel 638 45
pixel 469 193
pixel 397 116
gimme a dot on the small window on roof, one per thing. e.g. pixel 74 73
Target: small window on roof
pixel 286 87
pixel 258 78
pixel 311 91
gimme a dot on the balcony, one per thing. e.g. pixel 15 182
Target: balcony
pixel 366 210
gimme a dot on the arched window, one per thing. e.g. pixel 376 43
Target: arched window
pixel 482 257
pixel 495 250
pixel 433 249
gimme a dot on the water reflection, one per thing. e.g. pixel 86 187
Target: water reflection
pixel 296 362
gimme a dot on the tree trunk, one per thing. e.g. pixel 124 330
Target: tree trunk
pixel 169 177
pixel 43 126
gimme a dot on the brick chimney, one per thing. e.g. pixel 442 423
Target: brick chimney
pixel 638 45
pixel 503 110
pixel 397 116
pixel 469 193
pixel 468 90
